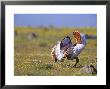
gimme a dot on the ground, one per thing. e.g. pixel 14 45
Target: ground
pixel 32 57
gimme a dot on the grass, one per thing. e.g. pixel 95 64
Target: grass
pixel 32 57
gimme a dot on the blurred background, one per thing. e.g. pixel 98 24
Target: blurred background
pixel 36 34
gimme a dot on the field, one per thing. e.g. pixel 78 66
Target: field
pixel 32 56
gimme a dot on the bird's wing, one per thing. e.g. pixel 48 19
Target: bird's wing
pixel 65 42
pixel 57 52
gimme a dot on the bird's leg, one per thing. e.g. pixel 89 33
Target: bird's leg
pixel 77 60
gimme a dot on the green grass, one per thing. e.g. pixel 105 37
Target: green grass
pixel 32 57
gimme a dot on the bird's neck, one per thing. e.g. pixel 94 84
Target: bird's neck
pixel 78 41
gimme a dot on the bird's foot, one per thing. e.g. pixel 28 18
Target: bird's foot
pixel 74 66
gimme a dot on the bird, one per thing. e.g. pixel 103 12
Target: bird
pixel 66 49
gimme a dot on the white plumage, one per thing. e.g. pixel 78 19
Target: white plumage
pixel 59 53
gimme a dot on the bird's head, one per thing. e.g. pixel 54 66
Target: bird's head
pixel 77 36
